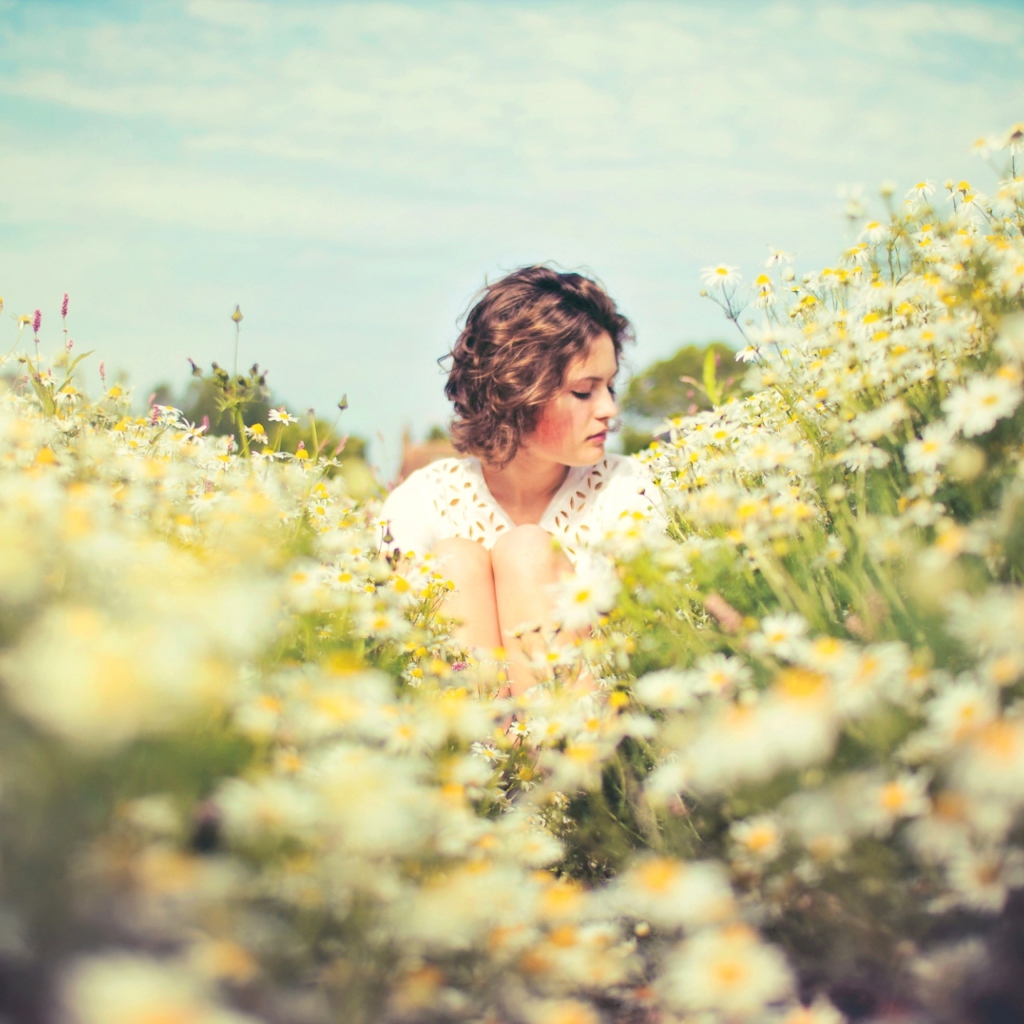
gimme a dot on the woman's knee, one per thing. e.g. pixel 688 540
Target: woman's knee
pixel 461 560
pixel 529 552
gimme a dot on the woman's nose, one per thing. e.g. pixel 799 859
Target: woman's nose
pixel 608 407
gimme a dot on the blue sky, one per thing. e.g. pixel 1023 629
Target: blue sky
pixel 351 172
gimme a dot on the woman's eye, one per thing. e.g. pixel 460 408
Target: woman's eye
pixel 581 394
pixel 611 391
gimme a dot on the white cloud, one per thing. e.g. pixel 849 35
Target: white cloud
pixel 511 91
pixel 236 14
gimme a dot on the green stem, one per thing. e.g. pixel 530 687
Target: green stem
pixel 240 423
pixel 312 428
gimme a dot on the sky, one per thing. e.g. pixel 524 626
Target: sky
pixel 351 174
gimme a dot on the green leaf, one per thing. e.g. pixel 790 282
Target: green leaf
pixel 711 386
pixel 49 406
pixel 76 361
pixel 71 369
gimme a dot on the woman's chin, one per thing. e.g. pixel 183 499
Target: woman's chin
pixel 588 453
pixel 591 452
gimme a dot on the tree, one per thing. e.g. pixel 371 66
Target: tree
pixel 679 384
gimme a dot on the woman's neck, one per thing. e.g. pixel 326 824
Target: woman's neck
pixel 524 488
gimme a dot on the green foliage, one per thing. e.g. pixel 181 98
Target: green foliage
pixel 697 377
pixel 679 383
pixel 634 440
pixel 203 401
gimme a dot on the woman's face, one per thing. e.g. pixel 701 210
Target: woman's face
pixel 573 426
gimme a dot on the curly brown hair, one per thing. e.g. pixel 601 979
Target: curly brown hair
pixel 511 357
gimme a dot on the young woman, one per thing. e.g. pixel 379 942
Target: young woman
pixel 532 381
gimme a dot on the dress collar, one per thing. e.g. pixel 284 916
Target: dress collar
pixel 572 479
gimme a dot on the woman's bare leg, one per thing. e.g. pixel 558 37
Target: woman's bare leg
pixel 525 563
pixel 472 604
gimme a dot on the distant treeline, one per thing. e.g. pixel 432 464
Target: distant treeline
pixel 200 404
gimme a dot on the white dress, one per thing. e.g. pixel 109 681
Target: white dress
pixel 449 498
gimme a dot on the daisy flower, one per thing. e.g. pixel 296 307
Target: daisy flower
pixel 777 256
pixel 976 408
pixel 765 292
pixel 757 840
pixel 719 276
pixel 719 674
pixel 281 416
pixel 585 596
pixel 666 689
pixel 781 634
pixel 728 972
pixel 922 190
pixel 673 893
pixel 982 880
pixel 933 449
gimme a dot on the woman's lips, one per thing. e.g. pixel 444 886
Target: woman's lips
pixel 598 437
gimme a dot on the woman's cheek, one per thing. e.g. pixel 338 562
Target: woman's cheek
pixel 553 427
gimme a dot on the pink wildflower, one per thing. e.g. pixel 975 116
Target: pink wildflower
pixel 728 617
